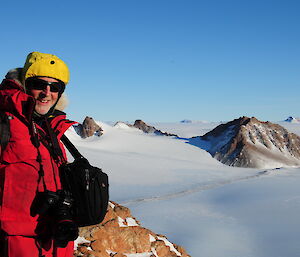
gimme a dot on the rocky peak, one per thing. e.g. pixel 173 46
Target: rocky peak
pixel 150 129
pixel 121 234
pixel 144 127
pixel 248 142
pixel 88 128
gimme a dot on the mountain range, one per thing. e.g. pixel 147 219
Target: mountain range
pixel 243 142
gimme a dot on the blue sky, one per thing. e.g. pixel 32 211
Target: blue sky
pixel 165 60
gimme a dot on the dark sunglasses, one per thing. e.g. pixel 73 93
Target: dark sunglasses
pixel 40 84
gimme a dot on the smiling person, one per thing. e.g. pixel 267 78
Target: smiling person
pixel 45 91
pixel 35 213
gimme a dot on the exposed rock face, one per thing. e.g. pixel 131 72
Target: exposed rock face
pixel 144 127
pixel 150 129
pixel 248 142
pixel 89 128
pixel 121 234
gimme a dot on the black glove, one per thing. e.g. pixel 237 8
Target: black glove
pixel 65 232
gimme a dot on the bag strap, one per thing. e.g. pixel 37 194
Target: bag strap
pixel 4 130
pixel 71 148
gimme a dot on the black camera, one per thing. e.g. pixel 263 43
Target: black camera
pixel 58 205
pixel 43 202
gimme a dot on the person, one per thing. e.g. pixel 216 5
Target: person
pixel 35 213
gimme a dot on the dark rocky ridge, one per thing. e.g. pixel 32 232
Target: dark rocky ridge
pixel 248 142
pixel 150 129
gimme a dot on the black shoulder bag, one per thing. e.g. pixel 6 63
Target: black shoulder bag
pixel 88 186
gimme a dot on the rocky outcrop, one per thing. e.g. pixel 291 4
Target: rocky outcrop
pixel 150 129
pixel 248 142
pixel 141 125
pixel 120 234
pixel 88 128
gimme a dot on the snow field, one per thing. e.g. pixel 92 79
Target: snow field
pixel 210 209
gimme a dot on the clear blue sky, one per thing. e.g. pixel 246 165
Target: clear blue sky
pixel 165 60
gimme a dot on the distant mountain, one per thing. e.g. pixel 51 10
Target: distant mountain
pixel 292 120
pixel 186 121
pixel 88 128
pixel 248 142
pixel 150 129
pixel 141 125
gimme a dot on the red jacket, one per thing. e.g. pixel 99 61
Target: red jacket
pixel 19 168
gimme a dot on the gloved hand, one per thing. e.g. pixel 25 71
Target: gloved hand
pixel 65 231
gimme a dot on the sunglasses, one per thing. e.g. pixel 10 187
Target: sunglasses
pixel 40 84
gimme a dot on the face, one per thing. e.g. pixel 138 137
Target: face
pixel 45 99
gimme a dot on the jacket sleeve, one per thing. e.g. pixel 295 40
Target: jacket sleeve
pixel 13 98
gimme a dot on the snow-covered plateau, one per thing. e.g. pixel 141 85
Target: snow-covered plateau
pixel 180 191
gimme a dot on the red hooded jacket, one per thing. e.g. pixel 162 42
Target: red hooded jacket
pixel 19 168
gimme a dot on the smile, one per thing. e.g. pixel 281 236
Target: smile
pixel 43 101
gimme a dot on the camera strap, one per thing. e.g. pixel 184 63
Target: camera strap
pixel 39 156
pixel 57 152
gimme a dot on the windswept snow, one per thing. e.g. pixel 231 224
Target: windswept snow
pixel 179 190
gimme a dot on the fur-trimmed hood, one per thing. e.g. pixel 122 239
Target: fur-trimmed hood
pixel 16 75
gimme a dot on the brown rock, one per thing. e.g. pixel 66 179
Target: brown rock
pixel 125 239
pixel 141 125
pixel 162 250
pixel 88 253
pixel 122 211
pixel 150 129
pixel 144 127
pixel 182 251
pixel 248 142
pixel 101 254
pixel 90 128
pixel 109 236
pixel 82 249
pixel 119 255
pixel 110 215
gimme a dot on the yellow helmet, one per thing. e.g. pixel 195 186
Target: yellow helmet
pixel 45 65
